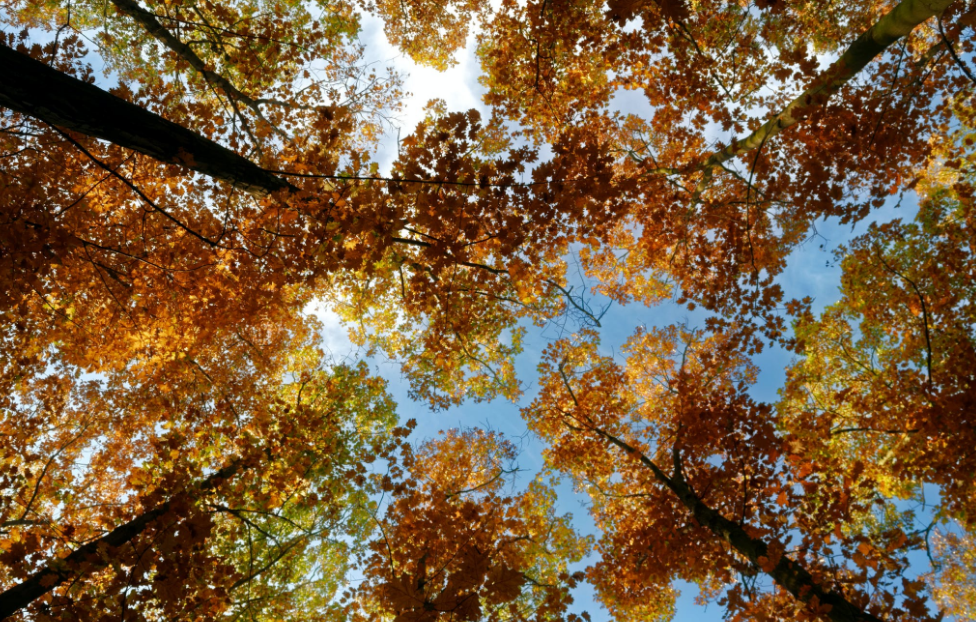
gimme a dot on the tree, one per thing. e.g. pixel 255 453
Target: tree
pixel 160 240
pixel 284 245
pixel 672 443
pixel 453 544
pixel 556 64
pixel 201 285
pixel 719 220
pixel 886 377
pixel 269 531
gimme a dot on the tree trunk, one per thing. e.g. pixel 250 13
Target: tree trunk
pixel 148 21
pixel 32 88
pixel 894 25
pixel 788 574
pixel 61 570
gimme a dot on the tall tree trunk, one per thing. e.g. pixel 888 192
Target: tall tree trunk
pixel 788 574
pixel 894 25
pixel 63 569
pixel 148 21
pixel 32 88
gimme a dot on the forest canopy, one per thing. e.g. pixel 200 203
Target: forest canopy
pixel 181 180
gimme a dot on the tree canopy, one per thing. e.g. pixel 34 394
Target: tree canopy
pixel 181 179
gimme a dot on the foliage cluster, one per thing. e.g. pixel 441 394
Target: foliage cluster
pixel 175 445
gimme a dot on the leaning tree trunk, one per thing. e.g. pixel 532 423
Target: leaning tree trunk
pixel 894 25
pixel 32 88
pixel 61 570
pixel 787 573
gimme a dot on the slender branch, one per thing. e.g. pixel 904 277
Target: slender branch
pixel 271 562
pixel 577 306
pixel 37 486
pixel 875 431
pixel 469 264
pixel 152 204
pixel 433 182
pixel 21 522
pixel 487 482
pixel 925 314
pixel 952 53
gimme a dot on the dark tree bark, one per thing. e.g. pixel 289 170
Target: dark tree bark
pixel 64 569
pixel 787 573
pixel 148 20
pixel 30 87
